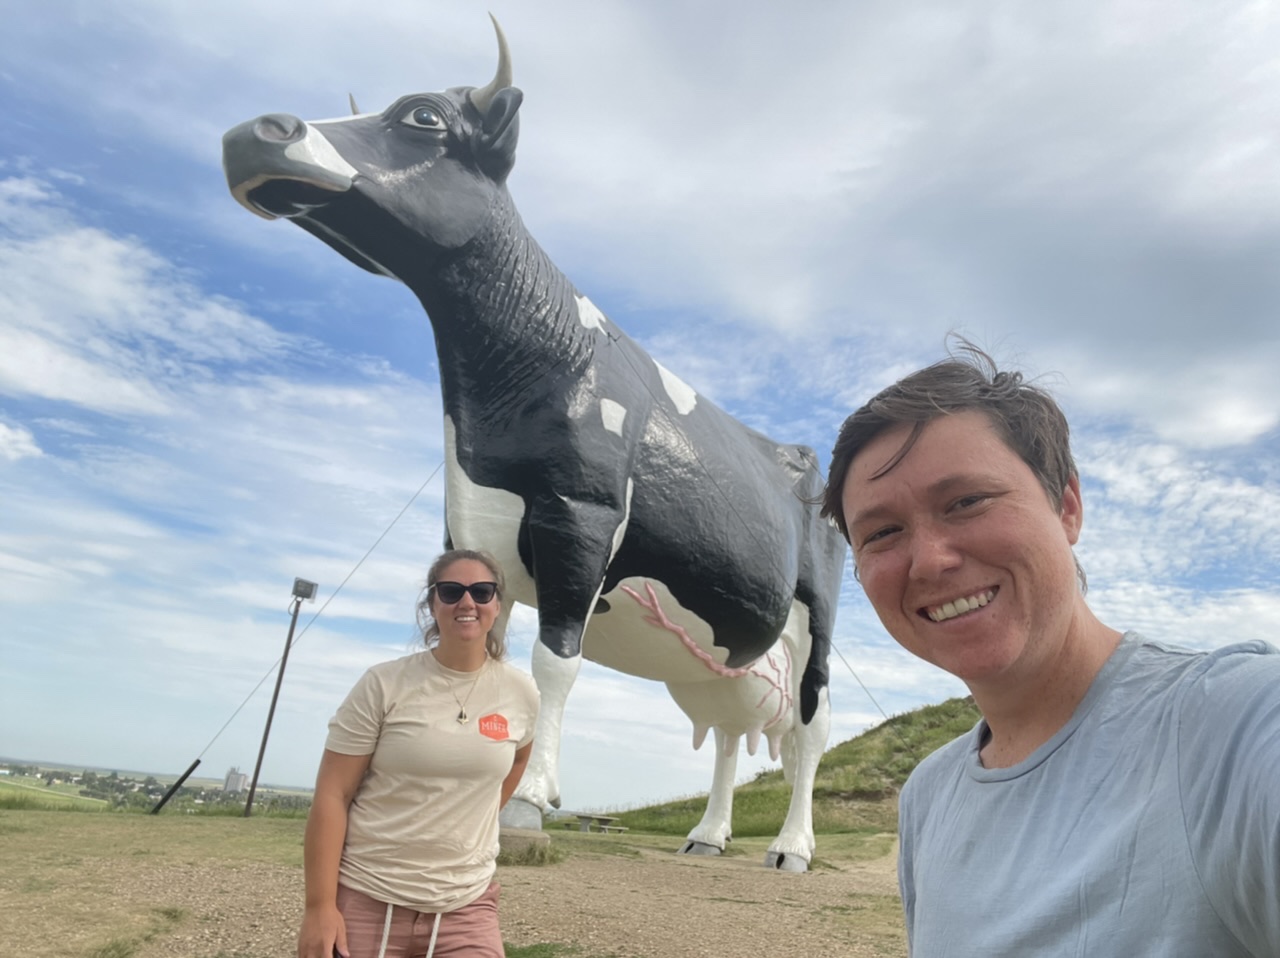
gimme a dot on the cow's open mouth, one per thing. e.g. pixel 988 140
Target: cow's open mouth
pixel 288 197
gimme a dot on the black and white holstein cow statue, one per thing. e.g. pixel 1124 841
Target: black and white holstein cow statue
pixel 654 533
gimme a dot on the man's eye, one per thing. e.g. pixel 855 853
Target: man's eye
pixel 967 502
pixel 878 535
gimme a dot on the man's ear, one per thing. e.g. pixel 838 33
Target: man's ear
pixel 1072 510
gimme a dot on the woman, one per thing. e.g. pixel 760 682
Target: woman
pixel 403 831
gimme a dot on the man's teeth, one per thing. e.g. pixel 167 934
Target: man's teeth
pixel 961 606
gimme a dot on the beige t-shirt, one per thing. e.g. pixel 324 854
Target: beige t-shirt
pixel 422 831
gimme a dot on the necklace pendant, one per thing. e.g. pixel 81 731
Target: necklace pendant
pixel 462 716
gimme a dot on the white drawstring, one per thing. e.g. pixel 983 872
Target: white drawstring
pixel 435 927
pixel 386 932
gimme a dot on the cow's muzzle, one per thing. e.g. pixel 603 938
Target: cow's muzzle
pixel 279 165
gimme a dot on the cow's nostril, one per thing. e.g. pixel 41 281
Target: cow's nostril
pixel 280 127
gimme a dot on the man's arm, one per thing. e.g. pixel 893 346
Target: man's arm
pixel 1229 769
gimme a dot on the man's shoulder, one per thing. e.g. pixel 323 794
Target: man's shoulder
pixel 1152 667
pixel 1210 670
pixel 1158 650
pixel 1234 678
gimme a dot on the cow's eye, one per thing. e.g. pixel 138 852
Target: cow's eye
pixel 425 117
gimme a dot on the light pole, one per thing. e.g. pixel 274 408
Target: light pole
pixel 302 589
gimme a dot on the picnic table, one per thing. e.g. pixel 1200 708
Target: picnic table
pixel 602 823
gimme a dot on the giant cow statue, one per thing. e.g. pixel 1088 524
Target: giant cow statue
pixel 653 532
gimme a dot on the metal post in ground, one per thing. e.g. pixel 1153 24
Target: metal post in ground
pixel 302 589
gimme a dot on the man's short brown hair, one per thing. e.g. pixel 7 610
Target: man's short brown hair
pixel 1026 418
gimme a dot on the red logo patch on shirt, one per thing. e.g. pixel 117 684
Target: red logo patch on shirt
pixel 494 726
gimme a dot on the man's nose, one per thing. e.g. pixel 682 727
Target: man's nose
pixel 933 552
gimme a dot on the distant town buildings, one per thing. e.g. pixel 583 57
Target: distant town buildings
pixel 236 781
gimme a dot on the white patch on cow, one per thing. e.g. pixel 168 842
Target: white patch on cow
pixel 589 314
pixel 315 150
pixel 612 414
pixel 482 517
pixel 620 533
pixel 681 393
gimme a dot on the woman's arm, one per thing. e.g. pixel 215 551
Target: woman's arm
pixel 513 777
pixel 336 783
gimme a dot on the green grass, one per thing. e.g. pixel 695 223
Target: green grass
pixel 532 855
pixel 14 795
pixel 159 839
pixel 161 922
pixel 856 786
pixel 877 763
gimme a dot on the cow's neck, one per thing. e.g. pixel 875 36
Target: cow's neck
pixel 504 316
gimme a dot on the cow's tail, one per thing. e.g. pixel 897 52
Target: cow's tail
pixel 821 569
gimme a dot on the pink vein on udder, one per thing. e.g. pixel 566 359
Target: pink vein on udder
pixel 778 682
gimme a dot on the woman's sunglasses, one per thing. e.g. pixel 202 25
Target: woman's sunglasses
pixel 451 592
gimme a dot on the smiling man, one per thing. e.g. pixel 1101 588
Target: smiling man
pixel 1120 796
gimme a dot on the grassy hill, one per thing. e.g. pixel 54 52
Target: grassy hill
pixel 856 787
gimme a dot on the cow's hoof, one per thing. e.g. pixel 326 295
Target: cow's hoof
pixel 518 813
pixel 698 848
pixel 781 861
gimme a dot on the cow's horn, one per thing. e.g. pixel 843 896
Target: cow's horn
pixel 355 110
pixel 482 97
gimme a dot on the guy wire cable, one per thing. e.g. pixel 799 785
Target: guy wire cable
pixel 320 611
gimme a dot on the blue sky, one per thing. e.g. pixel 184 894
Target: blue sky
pixel 788 207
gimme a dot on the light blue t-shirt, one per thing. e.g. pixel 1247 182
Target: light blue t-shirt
pixel 1148 826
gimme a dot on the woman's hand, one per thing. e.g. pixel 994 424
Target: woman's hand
pixel 323 933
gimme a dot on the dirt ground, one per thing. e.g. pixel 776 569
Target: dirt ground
pixel 608 898
pixel 648 905
pixel 660 905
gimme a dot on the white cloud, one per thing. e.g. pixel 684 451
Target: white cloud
pixel 101 321
pixel 17 443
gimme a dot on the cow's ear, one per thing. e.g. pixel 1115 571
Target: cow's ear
pixel 495 141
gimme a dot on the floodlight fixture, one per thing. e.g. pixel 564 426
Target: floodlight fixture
pixel 302 589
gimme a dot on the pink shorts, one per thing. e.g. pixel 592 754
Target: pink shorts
pixel 469 932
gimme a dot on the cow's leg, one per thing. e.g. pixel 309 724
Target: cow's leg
pixel 540 786
pixel 716 828
pixel 793 848
pixel 571 545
